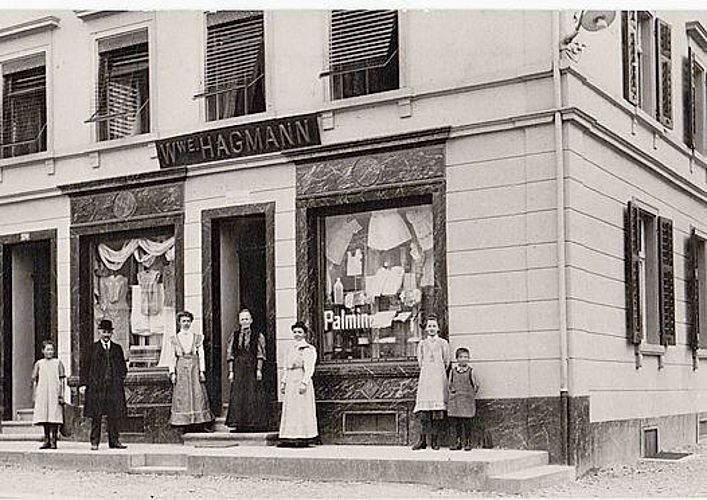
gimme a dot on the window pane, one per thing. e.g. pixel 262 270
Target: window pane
pixel 379 278
pixel 133 286
pixel 24 112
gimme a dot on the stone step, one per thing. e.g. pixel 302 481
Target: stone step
pixel 21 427
pixel 227 439
pixel 163 470
pixel 526 480
pixel 25 415
pixel 22 437
pixel 159 460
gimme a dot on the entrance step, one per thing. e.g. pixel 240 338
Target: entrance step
pixel 227 439
pixel 21 427
pixel 25 415
pixel 525 480
pixel 158 470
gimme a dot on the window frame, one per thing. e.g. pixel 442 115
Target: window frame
pixel 329 74
pixel 266 55
pixel 113 33
pixel 42 149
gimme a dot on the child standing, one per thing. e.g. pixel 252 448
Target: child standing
pixel 433 358
pixel 48 378
pixel 461 407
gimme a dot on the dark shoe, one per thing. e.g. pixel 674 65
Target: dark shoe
pixel 421 444
pixel 467 447
pixel 94 447
pixel 435 444
pixel 457 446
pixel 45 445
pixel 118 446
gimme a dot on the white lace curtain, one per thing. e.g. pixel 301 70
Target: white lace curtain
pixel 143 250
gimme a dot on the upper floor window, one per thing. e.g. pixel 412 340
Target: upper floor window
pixel 363 52
pixel 647 64
pixel 650 290
pixel 24 107
pixel 123 91
pixel 235 64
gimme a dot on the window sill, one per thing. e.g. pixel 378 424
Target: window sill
pixel 652 349
pixel 29 158
pixel 132 140
pixel 367 100
pixel 237 120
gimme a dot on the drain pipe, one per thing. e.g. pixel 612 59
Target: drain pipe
pixel 561 270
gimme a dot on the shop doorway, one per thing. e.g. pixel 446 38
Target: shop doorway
pixel 27 318
pixel 239 272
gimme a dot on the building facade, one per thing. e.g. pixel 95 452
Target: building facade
pixel 359 170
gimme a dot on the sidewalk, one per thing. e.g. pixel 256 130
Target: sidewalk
pixel 471 470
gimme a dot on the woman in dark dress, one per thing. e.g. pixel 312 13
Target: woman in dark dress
pixel 246 355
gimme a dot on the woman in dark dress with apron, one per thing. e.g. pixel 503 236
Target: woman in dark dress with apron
pixel 246 355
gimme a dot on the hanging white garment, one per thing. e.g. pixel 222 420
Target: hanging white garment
pixel 421 220
pixel 354 263
pixel 338 236
pixel 145 251
pixel 387 230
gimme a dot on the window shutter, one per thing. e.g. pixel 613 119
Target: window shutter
pixel 361 38
pixel 666 278
pixel 664 73
pixel 631 262
pixel 233 49
pixel 629 34
pixel 693 289
pixel 690 99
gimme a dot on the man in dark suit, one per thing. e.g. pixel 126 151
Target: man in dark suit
pixel 102 380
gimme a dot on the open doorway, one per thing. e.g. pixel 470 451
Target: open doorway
pixel 27 318
pixel 239 271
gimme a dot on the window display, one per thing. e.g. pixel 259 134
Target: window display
pixel 379 277
pixel 133 286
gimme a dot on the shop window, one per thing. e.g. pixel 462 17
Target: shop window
pixel 649 278
pixel 24 107
pixel 647 64
pixel 378 279
pixel 123 90
pixel 235 64
pixel 363 52
pixel 134 287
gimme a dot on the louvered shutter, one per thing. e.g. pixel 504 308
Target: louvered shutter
pixel 234 45
pixel 690 100
pixel 24 111
pixel 693 289
pixel 629 34
pixel 361 39
pixel 631 261
pixel 122 93
pixel 664 73
pixel 666 278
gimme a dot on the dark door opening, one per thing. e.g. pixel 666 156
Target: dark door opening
pixel 239 280
pixel 26 319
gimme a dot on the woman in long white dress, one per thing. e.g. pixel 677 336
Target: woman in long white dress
pixel 431 401
pixel 48 378
pixel 298 426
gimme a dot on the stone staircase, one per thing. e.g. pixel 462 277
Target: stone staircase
pixel 21 429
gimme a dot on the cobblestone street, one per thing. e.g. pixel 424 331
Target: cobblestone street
pixel 685 478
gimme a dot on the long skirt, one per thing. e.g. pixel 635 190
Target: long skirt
pixel 299 411
pixel 190 403
pixel 246 405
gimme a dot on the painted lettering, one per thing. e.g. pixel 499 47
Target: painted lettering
pixel 205 142
pixel 254 142
pixel 286 134
pixel 236 140
pixel 221 146
pixel 270 138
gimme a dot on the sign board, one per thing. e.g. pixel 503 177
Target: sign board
pixel 238 141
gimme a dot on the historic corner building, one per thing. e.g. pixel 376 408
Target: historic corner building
pixel 548 203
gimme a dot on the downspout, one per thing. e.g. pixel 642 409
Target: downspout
pixel 560 228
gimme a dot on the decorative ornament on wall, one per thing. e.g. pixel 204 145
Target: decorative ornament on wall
pixel 124 205
pixel 366 171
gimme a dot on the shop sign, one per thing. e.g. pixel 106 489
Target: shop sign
pixel 249 139
pixel 347 321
